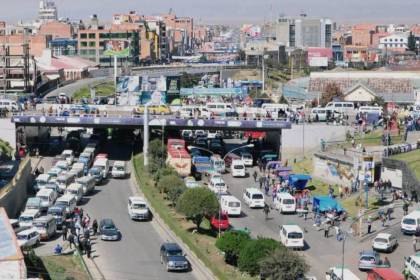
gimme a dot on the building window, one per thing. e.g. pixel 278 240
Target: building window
pixel 104 35
pixel 92 44
pixel 385 40
pixel 92 52
pixel 92 35
pixel 83 44
pixel 401 40
pixel 83 35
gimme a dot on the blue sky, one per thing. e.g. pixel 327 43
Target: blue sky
pixel 230 11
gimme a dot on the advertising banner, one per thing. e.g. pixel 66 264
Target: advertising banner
pixel 119 48
pixel 128 84
pixel 153 97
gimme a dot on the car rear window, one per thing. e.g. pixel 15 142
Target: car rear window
pixel 295 235
pixel 381 240
pixel 257 196
pixel 288 201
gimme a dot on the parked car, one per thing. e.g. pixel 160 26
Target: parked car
pixel 172 256
pixel 254 198
pixel 108 230
pixel 28 238
pixel 138 208
pixel 384 242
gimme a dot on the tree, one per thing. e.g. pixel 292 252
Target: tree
pixel 175 191
pixel 162 172
pixel 188 80
pixel 332 92
pixel 157 155
pixel 379 101
pixel 231 243
pixel 172 186
pixel 283 264
pixel 198 203
pixel 283 100
pixel 253 252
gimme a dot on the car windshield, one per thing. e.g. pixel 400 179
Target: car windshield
pixel 25 219
pixel 381 240
pixel 95 171
pixel 247 156
pixel 43 198
pixel 288 201
pixel 295 235
pixel 175 253
pixel 119 168
pixel 139 206
pixel 409 221
pixel 61 203
pixel 257 196
pixel 234 204
pixel 108 226
pixel 54 212
pixel 239 167
pixel 22 237
pixel 220 185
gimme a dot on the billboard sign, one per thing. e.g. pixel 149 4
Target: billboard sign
pixel 153 97
pixel 119 48
pixel 128 84
pixel 318 61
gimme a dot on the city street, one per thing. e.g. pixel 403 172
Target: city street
pixel 136 255
pixel 321 253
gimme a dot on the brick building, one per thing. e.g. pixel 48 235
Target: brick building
pixel 56 29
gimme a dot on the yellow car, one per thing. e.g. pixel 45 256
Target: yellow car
pixel 154 110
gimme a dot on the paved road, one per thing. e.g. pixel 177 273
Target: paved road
pixel 73 87
pixel 136 255
pixel 321 253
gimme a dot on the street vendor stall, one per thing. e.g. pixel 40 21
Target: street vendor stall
pixel 326 204
pixel 298 181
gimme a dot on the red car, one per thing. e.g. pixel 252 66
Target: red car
pixel 222 223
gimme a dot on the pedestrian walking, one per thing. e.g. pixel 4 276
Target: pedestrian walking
pixel 406 273
pixel 369 223
pixel 415 243
pixel 405 208
pixel 383 220
pixel 64 230
pixel 80 244
pixel 88 248
pixel 326 229
pixel 86 233
pixel 261 181
pixel 255 175
pixel 70 239
pixel 305 211
pixel 266 210
pixel 95 226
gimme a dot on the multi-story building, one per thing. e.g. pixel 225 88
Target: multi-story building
pixel 304 32
pixel 394 42
pixel 157 32
pixel 100 43
pixel 362 34
pixel 57 29
pixel 180 31
pixel 47 11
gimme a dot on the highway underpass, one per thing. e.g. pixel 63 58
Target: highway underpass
pixel 38 125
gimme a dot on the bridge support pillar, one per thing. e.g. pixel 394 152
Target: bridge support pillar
pixel 273 139
pixel 146 136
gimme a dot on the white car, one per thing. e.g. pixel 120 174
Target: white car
pixel 218 186
pixel 28 238
pixel 247 159
pixel 384 242
pixel 69 156
pixel 28 216
pixel 254 198
pixel 119 169
pixel 237 168
pixel 138 208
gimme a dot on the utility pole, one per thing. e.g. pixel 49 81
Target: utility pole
pixel 146 135
pixel 115 77
pixel 263 74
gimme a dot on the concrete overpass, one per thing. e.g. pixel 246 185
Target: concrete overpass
pixel 38 125
pixel 177 70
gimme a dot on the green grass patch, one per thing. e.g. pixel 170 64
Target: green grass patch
pixel 316 186
pixel 374 138
pixel 203 245
pixel 5 149
pixel 104 89
pixel 412 159
pixel 352 204
pixel 64 267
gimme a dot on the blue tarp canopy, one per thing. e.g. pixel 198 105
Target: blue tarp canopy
pixel 325 203
pixel 299 181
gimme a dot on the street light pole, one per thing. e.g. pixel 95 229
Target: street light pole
pixel 146 135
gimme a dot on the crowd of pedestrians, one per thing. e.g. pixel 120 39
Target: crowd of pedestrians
pixel 77 232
